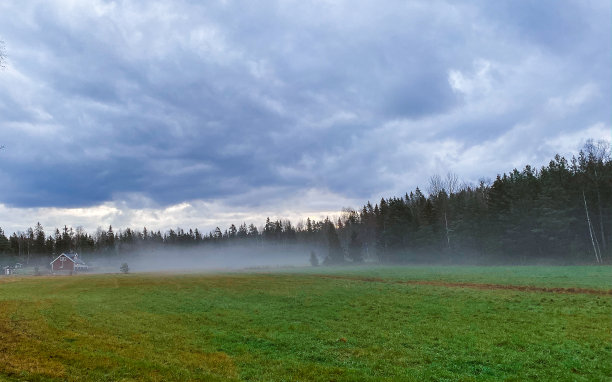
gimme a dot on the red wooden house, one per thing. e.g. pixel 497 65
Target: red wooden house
pixel 68 262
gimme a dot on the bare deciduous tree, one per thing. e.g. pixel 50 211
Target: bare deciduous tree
pixel 598 152
pixel 452 183
pixel 436 185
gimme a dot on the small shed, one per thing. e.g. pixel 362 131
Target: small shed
pixel 68 262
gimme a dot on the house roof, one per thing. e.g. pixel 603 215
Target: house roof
pixel 74 257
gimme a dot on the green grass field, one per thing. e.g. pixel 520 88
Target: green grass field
pixel 323 324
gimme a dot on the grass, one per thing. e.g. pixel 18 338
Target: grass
pixel 565 277
pixel 301 324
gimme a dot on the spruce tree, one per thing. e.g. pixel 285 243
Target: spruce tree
pixel 355 248
pixel 335 254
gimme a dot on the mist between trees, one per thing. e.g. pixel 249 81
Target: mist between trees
pixel 560 213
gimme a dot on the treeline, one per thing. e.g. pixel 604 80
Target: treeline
pixel 561 212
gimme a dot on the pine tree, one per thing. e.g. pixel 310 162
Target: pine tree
pixel 253 231
pixel 39 240
pixel 355 251
pixel 110 240
pixel 242 231
pixel 335 254
pixel 5 245
pixel 232 232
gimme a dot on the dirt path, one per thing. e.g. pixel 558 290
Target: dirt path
pixel 522 288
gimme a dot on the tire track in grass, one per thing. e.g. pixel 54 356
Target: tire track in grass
pixel 449 284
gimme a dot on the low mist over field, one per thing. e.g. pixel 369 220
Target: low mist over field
pixel 203 259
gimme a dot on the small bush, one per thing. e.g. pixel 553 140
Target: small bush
pixel 314 260
pixel 124 268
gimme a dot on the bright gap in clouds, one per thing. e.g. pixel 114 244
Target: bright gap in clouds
pixel 193 214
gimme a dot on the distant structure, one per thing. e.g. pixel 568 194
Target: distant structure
pixel 68 262
pixel 8 270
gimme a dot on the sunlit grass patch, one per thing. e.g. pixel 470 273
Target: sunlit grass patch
pixel 23 347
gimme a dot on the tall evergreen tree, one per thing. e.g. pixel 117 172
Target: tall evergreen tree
pixel 335 255
pixel 355 249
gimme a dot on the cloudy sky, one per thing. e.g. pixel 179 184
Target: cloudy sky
pixel 202 113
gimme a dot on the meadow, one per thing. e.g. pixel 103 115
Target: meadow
pixel 320 324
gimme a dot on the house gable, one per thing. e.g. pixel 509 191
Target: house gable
pixel 68 262
pixel 62 258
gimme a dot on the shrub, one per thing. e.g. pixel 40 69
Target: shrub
pixel 124 268
pixel 314 260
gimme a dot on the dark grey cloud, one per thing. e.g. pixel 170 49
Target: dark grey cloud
pixel 182 100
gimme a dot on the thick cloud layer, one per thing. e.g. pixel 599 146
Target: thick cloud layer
pixel 245 104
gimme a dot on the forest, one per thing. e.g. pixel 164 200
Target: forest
pixel 560 213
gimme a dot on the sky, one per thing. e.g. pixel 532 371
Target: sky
pixel 197 114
